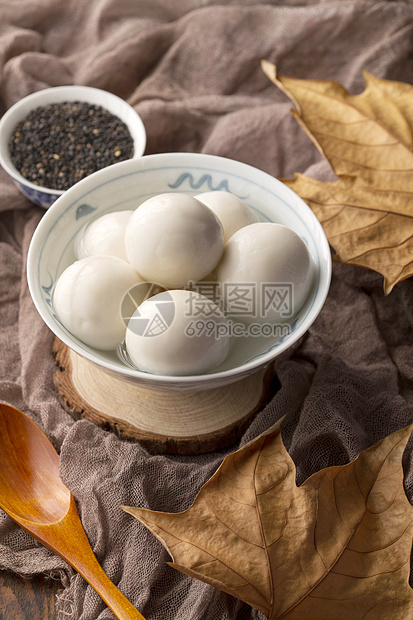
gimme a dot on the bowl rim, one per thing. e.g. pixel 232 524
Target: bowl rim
pixel 55 94
pixel 152 380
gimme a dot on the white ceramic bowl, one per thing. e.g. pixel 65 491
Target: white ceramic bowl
pixel 44 196
pixel 126 185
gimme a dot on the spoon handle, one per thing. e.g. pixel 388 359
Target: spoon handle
pixel 77 552
pixel 110 594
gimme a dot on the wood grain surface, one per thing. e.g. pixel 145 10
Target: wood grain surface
pixel 27 599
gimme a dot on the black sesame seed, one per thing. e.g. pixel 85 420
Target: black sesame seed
pixel 65 142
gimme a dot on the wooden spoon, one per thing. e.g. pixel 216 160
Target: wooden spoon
pixel 33 495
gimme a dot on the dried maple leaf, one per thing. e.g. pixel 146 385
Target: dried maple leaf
pixel 367 214
pixel 337 547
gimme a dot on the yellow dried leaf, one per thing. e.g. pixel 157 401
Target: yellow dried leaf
pixel 337 547
pixel 367 213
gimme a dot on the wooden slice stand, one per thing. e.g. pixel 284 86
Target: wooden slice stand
pixel 165 422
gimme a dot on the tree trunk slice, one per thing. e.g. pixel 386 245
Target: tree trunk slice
pixel 164 422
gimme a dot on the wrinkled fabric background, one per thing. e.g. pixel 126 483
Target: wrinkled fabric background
pixel 191 68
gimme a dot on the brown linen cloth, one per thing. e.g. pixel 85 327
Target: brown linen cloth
pixel 191 68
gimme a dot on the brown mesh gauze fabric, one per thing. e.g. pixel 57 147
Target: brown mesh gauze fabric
pixel 192 71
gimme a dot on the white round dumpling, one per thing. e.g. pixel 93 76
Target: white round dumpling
pixel 177 332
pixel 266 273
pixel 105 235
pixel 232 212
pixel 172 239
pixel 88 296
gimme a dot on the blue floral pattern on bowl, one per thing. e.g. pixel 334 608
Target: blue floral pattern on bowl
pixel 205 182
pixel 39 197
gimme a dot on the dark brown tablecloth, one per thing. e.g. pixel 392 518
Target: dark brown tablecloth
pixel 191 68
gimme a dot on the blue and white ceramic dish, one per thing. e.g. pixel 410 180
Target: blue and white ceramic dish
pixel 126 185
pixel 44 196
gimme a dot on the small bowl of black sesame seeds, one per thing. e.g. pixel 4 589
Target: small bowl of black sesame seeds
pixel 56 137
